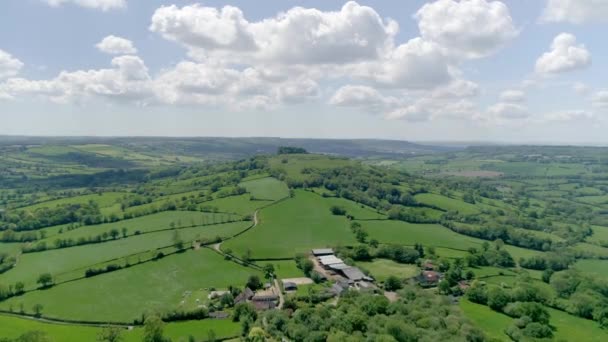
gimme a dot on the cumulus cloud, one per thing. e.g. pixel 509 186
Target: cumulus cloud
pixel 467 28
pixel 508 111
pixel 569 115
pixel 298 36
pixel 362 97
pixel 116 46
pixel 104 5
pixel 415 64
pixel 512 96
pixel 127 80
pixel 565 55
pixel 600 99
pixel 9 65
pixel 581 88
pixel 575 11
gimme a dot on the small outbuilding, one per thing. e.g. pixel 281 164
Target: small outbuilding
pixel 290 286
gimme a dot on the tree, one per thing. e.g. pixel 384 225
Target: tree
pixel 268 271
pixel 124 232
pixel 177 241
pixel 114 233
pixel 253 282
pixel 37 310
pixel 392 283
pixel 153 329
pixel 336 210
pixel 33 336
pixel 19 288
pixel 110 334
pixel 45 280
pixel 498 298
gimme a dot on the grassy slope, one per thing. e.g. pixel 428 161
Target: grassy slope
pixel 12 327
pixel 64 260
pixel 447 203
pixel 295 225
pixel 266 188
pixel 124 295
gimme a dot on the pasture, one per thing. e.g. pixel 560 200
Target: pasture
pixel 447 203
pixel 123 295
pixel 293 226
pixel 266 188
pixel 381 269
pixel 67 263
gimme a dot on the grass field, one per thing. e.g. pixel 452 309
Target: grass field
pixel 242 204
pixel 447 203
pixel 62 263
pixel 107 201
pixel 124 295
pixel 148 223
pixel 597 200
pixel 296 163
pixel 600 233
pixel 12 327
pixel 293 226
pixel 266 188
pixel 285 269
pixel 358 211
pixel 593 266
pixel 398 232
pixel 381 269
pixel 490 321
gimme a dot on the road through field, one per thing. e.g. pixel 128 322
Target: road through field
pixel 218 246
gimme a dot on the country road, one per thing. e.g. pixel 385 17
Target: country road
pixel 218 246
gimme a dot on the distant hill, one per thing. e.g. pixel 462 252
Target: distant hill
pixel 235 148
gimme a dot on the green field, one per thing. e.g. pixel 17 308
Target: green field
pixel 285 268
pixel 399 232
pixel 381 269
pixel 600 234
pixel 593 266
pixel 68 263
pixel 266 188
pixel 123 295
pixel 242 204
pixel 293 226
pixel 12 327
pixel 447 203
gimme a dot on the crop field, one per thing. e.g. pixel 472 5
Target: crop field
pixel 154 285
pixel 383 268
pixel 295 225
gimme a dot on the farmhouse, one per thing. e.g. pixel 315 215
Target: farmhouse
pixel 244 296
pixel 265 299
pixel 429 278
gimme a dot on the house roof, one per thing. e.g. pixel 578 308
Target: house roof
pixel 246 295
pixel 322 251
pixel 353 273
pixel 339 267
pixel 431 276
pixel 330 260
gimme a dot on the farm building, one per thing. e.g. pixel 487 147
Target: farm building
pixel 244 296
pixel 265 299
pixel 328 260
pixel 289 286
pixel 354 274
pixel 322 252
pixel 429 278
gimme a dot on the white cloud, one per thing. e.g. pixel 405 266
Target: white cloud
pixel 128 80
pixel 412 113
pixel 581 88
pixel 600 99
pixel 9 65
pixel 569 115
pixel 116 46
pixel 298 36
pixel 467 28
pixel 575 11
pixel 512 96
pixel 104 5
pixel 508 111
pixel 415 64
pixel 565 55
pixel 363 97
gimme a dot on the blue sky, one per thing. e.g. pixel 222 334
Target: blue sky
pixel 470 70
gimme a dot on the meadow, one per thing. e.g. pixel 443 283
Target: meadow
pixel 293 226
pixel 124 295
pixel 381 269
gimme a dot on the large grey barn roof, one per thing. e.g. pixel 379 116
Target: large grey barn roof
pixel 353 273
pixel 322 251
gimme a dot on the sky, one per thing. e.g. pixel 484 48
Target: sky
pixel 513 71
